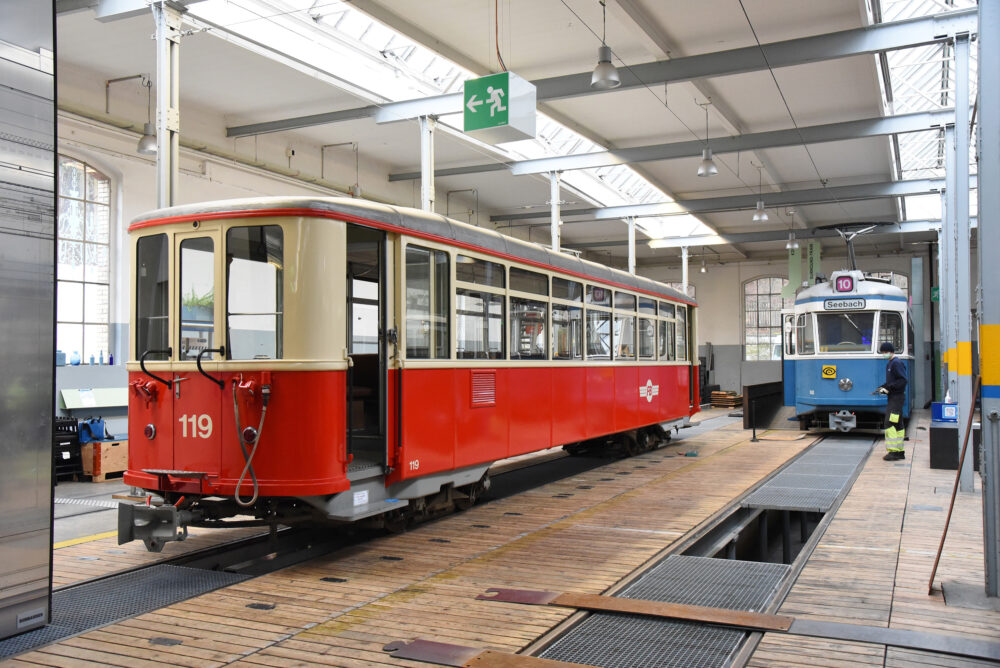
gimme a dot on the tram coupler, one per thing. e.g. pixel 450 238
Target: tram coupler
pixel 153 525
pixel 843 420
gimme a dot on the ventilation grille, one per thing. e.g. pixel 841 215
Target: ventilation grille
pixel 484 388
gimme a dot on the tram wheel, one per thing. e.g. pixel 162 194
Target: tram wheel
pixel 395 522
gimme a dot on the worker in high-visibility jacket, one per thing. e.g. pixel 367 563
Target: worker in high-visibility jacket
pixel 895 388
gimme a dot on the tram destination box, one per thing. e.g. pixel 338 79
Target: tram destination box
pixel 103 457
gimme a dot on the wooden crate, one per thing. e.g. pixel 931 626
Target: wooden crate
pixel 103 457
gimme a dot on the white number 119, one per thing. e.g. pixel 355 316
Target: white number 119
pixel 201 425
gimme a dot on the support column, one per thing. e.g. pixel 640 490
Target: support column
pixel 427 125
pixel 631 245
pixel 920 388
pixel 948 292
pixel 989 275
pixel 554 201
pixel 684 268
pixel 167 18
pixel 963 268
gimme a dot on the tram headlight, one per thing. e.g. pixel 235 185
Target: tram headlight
pixel 845 384
pixel 150 431
pixel 249 435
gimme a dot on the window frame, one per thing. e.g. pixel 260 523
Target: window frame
pixel 787 303
pixel 109 284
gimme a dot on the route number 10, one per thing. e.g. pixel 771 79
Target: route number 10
pixel 201 426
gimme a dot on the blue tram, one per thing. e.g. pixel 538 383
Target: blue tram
pixel 831 365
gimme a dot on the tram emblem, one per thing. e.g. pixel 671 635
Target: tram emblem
pixel 648 391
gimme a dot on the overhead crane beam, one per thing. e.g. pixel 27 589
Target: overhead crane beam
pixel 812 134
pixel 739 202
pixel 859 41
pixel 910 227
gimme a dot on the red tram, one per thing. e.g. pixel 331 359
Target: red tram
pixel 304 359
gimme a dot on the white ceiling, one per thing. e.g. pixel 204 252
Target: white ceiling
pixel 558 37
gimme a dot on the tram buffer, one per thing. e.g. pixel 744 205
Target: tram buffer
pixel 895 388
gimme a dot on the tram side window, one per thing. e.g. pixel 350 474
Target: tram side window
pixel 254 309
pixel 682 351
pixel 647 306
pixel 890 328
pixel 598 296
pixel 427 307
pixel 527 328
pixel 668 350
pixel 909 336
pixel 845 332
pixel 624 337
pixel 479 325
pixel 647 338
pixel 804 334
pixel 523 280
pixel 197 298
pixel 481 272
pixel 568 290
pixel 624 301
pixel 567 331
pixel 152 295
pixel 598 335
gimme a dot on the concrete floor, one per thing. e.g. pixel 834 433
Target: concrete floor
pixel 84 509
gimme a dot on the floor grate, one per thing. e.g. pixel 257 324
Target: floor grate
pixel 86 607
pixel 630 641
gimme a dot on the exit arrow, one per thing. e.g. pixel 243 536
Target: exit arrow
pixel 473 103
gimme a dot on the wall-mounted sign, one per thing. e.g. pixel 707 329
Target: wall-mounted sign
pixel 499 108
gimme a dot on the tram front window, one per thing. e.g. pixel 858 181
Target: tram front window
pixel 845 332
pixel 152 292
pixel 254 281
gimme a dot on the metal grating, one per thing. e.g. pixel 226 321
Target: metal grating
pixel 631 641
pixel 815 480
pixel 86 607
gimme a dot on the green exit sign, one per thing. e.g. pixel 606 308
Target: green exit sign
pixel 935 293
pixel 499 108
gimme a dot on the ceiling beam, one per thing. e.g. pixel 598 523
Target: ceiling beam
pixel 813 134
pixel 859 41
pixel 910 227
pixel 739 202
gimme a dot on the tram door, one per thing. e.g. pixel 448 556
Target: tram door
pixel 366 318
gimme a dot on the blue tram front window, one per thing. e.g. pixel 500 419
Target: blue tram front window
pixel 845 332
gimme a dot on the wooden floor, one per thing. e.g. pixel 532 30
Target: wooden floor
pixel 581 534
pixel 873 564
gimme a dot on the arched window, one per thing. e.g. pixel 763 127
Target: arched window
pixel 83 269
pixel 762 304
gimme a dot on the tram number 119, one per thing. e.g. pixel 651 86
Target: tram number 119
pixel 201 425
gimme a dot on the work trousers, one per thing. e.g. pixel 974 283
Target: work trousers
pixel 895 427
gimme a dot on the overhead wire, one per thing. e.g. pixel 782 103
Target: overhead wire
pixel 791 116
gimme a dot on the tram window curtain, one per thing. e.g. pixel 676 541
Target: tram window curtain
pixel 527 328
pixel 890 328
pixel 254 307
pixel 152 296
pixel 427 308
pixel 479 318
pixel 567 332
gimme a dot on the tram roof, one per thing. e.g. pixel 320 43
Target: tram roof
pixel 413 221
